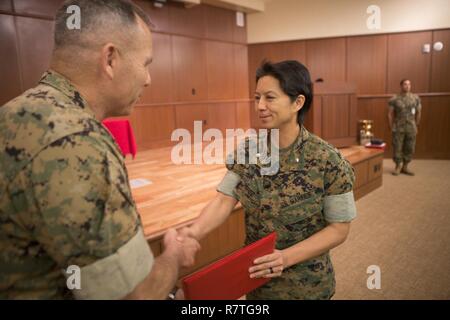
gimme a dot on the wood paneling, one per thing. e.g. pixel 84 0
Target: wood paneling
pixel 9 71
pixel 243 110
pixel 161 88
pixel 240 73
pixel 187 114
pixel 335 116
pixel 433 138
pixel 406 60
pixel 189 68
pixel 187 21
pixel 375 168
pixel 45 8
pixel 158 16
pixel 220 67
pixel 222 116
pixel 361 174
pixel 6 5
pixel 366 63
pixel 239 33
pixel 326 59
pixel 35 51
pixel 153 123
pixel 440 63
pixel 219 23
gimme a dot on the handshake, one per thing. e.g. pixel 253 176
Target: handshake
pixel 182 245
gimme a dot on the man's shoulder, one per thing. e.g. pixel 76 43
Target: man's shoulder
pixel 394 98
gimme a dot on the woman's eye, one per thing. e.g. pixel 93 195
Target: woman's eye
pixel 257 98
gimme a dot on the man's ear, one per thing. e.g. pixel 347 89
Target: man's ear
pixel 109 59
pixel 299 102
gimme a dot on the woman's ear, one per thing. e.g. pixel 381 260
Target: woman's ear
pixel 299 102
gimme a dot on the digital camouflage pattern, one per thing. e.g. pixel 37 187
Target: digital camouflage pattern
pixel 291 203
pixel 404 128
pixel 64 192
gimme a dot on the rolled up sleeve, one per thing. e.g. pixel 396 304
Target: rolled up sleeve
pixel 228 184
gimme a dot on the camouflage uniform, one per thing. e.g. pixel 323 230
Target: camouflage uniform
pixel 64 198
pixel 292 202
pixel 404 128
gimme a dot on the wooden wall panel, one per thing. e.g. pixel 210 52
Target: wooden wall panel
pixel 220 69
pixel 6 5
pixel 186 115
pixel 366 63
pixel 219 23
pixel 335 116
pixel 45 8
pixel 239 33
pixel 433 139
pixel 189 68
pixel 152 123
pixel 161 88
pixel 158 16
pixel 35 51
pixel 406 60
pixel 326 59
pixel 187 21
pixel 440 63
pixel 240 72
pixel 222 116
pixel 8 50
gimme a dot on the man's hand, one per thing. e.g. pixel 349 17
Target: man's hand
pixel 183 248
pixel 190 231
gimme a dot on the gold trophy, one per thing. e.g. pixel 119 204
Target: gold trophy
pixel 365 131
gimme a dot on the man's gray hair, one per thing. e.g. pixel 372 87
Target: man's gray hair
pixel 97 16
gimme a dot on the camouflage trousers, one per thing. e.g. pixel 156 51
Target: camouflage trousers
pixel 404 144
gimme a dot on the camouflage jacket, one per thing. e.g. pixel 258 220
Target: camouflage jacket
pixel 64 192
pixel 291 203
pixel 405 109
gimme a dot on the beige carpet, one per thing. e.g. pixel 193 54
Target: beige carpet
pixel 404 228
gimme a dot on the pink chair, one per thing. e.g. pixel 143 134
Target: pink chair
pixel 122 132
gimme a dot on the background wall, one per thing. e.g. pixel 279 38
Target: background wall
pixel 377 63
pixel 304 19
pixel 199 72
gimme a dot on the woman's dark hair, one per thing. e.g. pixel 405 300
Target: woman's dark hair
pixel 294 80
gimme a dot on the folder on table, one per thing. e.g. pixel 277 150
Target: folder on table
pixel 228 278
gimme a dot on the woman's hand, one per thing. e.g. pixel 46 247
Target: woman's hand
pixel 268 266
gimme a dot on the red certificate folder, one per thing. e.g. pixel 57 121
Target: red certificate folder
pixel 228 278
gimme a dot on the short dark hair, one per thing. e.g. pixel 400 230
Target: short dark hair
pixel 122 11
pixel 403 80
pixel 294 80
